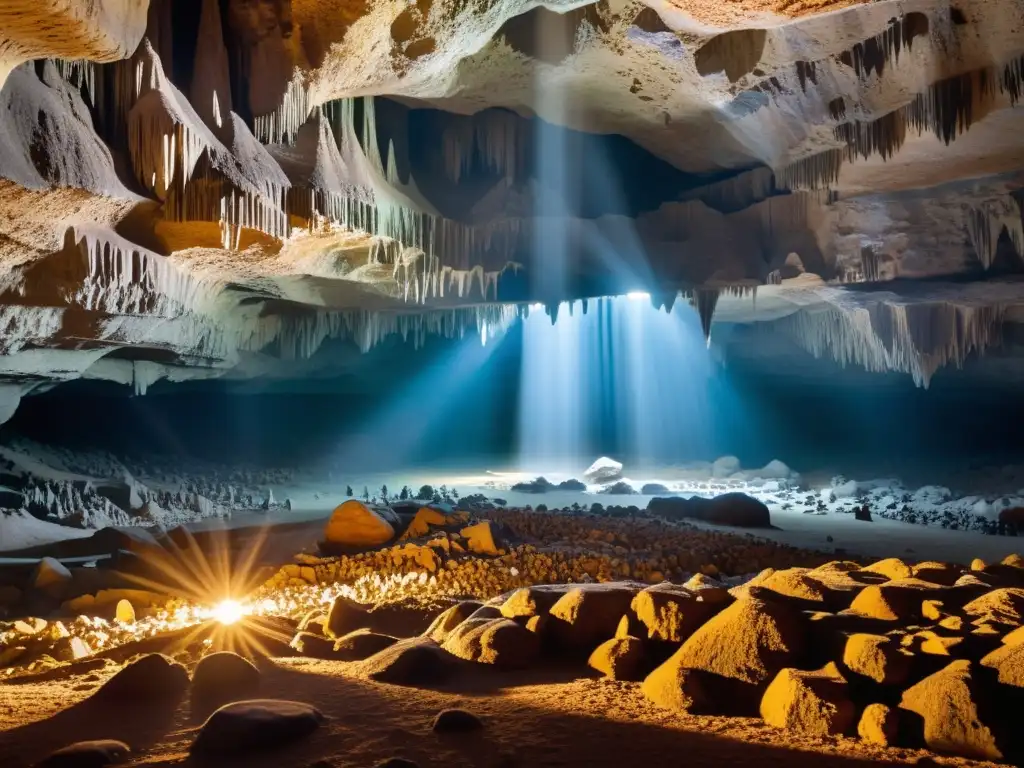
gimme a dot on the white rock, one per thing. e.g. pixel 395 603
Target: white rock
pixel 602 470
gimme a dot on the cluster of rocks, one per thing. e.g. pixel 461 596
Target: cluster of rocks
pixel 930 654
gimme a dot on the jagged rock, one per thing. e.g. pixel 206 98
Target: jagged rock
pixel 456 721
pixel 481 539
pixel 619 658
pixel 358 524
pixel 249 726
pixel 440 628
pixel 87 754
pixel 152 677
pixel 223 677
pixel 815 703
pixel 416 661
pixel 1008 662
pixel 743 648
pixel 1005 606
pixel 421 523
pixel 345 616
pixel 878 724
pixel 948 703
pixel 586 616
pixel 361 644
pixel 671 613
pixel 733 509
pixel 877 658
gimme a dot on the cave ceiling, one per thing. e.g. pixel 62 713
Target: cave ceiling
pixel 198 189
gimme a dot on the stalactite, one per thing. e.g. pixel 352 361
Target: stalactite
pixel 282 125
pixel 493 141
pixel 870 264
pixel 917 339
pixel 211 79
pixel 813 172
pixel 704 301
pixel 875 53
pixel 837 108
pixel 1012 80
pixel 806 70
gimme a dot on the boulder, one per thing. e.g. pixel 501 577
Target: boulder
pixel 620 658
pixel 677 689
pixel 455 721
pixel 891 568
pixel 604 470
pixel 733 509
pixel 743 648
pixel 943 574
pixel 586 616
pixel 361 644
pixel 481 539
pixel 529 601
pixel 87 754
pixel 345 616
pixel 879 725
pixel 416 661
pixel 1008 662
pixel 153 676
pixel 670 613
pixel 356 524
pixel 223 677
pixel 877 658
pixel 896 600
pixel 1002 606
pixel 816 703
pixel 421 523
pixel 51 578
pixel 440 628
pixel 948 704
pixel 313 645
pixel 250 726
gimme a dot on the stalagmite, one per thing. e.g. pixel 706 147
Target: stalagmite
pixel 985 222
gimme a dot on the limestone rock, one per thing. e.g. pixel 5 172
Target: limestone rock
pixel 815 703
pixel 896 600
pixel 450 619
pixel 421 523
pixel 87 754
pixel 671 613
pixel 745 646
pixel 588 615
pixel 416 661
pixel 223 677
pixel 948 702
pixel 153 676
pixel 675 688
pixel 361 644
pixel 345 616
pixel 51 577
pixel 620 658
pixel 481 539
pixel 359 525
pixel 877 658
pixel 456 721
pixel 249 726
pixel 878 724
pixel 529 601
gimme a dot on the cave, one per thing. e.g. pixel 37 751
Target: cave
pixel 502 384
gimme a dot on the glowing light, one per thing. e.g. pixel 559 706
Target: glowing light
pixel 537 307
pixel 483 334
pixel 638 295
pixel 228 611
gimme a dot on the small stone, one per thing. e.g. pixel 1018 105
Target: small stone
pixel 619 658
pixel 125 612
pixel 250 726
pixel 153 676
pixel 877 658
pixel 481 538
pixel 87 754
pixel 223 677
pixel 815 703
pixel 51 577
pixel 456 721
pixel 361 644
pixel 878 724
pixel 313 646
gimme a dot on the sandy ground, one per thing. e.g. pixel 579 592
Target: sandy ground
pixel 540 718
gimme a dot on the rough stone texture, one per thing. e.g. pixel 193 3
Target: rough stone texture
pixel 810 702
pixel 410 662
pixel 620 658
pixel 948 702
pixel 896 600
pixel 443 624
pixel 251 726
pixel 676 688
pixel 586 616
pixel 223 677
pixel 152 677
pixel 356 524
pixel 877 658
pixel 87 754
pixel 671 613
pixel 456 721
pixel 878 724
